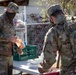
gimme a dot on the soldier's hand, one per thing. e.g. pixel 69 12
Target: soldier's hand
pixel 13 39
pixel 20 52
pixel 53 69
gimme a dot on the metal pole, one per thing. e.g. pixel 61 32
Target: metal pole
pixel 25 34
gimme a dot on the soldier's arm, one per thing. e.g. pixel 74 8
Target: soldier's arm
pixel 1 24
pixel 50 47
pixel 2 38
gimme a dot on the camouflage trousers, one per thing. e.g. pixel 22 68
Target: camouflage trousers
pixel 6 65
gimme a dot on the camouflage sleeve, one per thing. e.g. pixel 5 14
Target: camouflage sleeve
pixel 2 38
pixel 50 46
pixel 1 24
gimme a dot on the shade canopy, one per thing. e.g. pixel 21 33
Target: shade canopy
pixel 19 2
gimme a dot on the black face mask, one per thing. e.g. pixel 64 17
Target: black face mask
pixel 10 15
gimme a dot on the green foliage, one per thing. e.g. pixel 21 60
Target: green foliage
pixel 68 6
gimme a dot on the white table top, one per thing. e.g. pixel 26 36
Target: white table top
pixel 26 66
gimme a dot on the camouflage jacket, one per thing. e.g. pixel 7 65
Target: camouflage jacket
pixel 6 27
pixel 6 30
pixel 57 39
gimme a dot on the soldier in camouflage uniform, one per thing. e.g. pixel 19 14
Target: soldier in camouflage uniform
pixel 7 38
pixel 57 39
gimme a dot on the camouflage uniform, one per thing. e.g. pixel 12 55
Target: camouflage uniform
pixel 57 38
pixel 6 31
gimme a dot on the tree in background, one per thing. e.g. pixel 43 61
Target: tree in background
pixel 68 6
pixel 72 6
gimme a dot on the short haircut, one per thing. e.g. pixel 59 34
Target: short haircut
pixel 56 13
